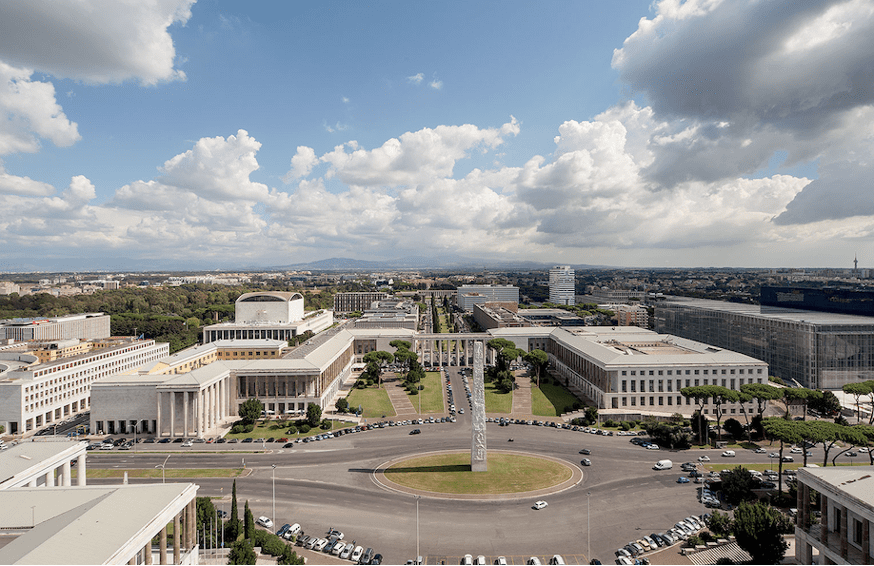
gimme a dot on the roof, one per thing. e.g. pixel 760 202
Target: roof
pixel 775 313
pixel 82 525
pixel 26 455
pixel 284 295
pixel 857 482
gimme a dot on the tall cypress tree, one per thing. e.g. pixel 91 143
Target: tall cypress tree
pixel 233 526
pixel 249 523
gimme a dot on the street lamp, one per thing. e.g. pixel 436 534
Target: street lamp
pixel 417 526
pixel 274 494
pixel 162 466
pixel 588 527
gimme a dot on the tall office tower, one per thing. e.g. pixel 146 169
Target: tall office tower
pixel 561 285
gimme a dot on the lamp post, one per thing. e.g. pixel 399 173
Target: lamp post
pixel 274 494
pixel 417 525
pixel 162 466
pixel 588 527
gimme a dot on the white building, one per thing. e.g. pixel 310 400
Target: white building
pixel 46 462
pixel 469 295
pixel 846 504
pixel 87 326
pixel 561 285
pixel 270 315
pixel 34 395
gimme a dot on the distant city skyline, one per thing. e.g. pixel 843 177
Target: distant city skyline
pixel 629 134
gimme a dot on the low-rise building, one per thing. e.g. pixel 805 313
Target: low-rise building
pixel 846 501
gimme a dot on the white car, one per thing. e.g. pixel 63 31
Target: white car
pixel 265 522
pixel 703 458
pixel 760 450
pixel 540 504
pixel 187 444
pixel 774 455
pixel 356 554
pixel 728 454
pixel 795 450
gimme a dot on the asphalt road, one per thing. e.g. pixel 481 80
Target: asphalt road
pixel 330 484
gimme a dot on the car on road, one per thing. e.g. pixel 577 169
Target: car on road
pixel 760 450
pixel 795 450
pixel 728 454
pixel 416 431
pixel 187 444
pixel 540 504
pixel 774 455
pixel 703 458
pixel 789 459
pixel 586 462
pixel 265 522
pixel 585 451
pixel 682 479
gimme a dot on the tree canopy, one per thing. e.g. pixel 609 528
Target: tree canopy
pixel 757 529
pixel 314 414
pixel 250 410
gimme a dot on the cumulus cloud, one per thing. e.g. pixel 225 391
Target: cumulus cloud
pixel 416 79
pixel 29 111
pixel 436 84
pixel 96 41
pixel 734 82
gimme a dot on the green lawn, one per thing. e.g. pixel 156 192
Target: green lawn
pixel 279 429
pixel 374 402
pixel 431 396
pixel 450 473
pixel 496 401
pixel 550 400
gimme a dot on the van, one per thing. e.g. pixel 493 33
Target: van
pixel 663 465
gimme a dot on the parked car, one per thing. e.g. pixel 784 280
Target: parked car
pixel 265 522
pixel 682 479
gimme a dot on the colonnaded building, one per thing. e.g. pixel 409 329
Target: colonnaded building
pixel 275 315
pixel 194 392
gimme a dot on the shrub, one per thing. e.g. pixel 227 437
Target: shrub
pixel 237 429
pixel 304 428
pixel 578 405
pixel 292 429
pixel 694 540
pixel 610 423
pixel 627 425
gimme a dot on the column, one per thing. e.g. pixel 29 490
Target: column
pixel 823 530
pixel 147 553
pixel 80 474
pixel 201 409
pixel 185 429
pixel 67 472
pixel 172 413
pixel 192 530
pixel 133 560
pixel 806 552
pixel 213 405
pixel 50 478
pixel 162 541
pixel 844 543
pixel 177 539
pixel 32 483
pixel 866 540
pixel 158 422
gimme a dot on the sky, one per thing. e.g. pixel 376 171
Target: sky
pixel 222 134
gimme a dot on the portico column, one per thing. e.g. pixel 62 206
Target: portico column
pixel 158 421
pixel 824 514
pixel 866 540
pixel 192 516
pixel 177 539
pixel 66 472
pixel 162 545
pixel 32 483
pixel 80 474
pixel 147 551
pixel 845 547
pixel 185 429
pixel 172 413
pixel 50 478
pixel 201 409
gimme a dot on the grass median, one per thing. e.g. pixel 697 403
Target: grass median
pixel 431 396
pixel 169 473
pixel 450 473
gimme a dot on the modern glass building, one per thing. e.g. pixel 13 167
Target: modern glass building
pixel 816 349
pixel 561 285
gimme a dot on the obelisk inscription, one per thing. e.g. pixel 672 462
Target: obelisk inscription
pixel 478 413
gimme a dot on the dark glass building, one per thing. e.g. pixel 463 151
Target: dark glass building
pixel 823 299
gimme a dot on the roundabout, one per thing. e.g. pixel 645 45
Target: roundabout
pixel 447 474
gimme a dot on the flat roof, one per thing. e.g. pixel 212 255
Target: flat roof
pixel 855 481
pixel 82 525
pixel 775 313
pixel 23 456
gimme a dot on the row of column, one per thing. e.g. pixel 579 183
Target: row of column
pixel 461 349
pixel 184 537
pixel 202 410
pixel 62 475
pixel 804 522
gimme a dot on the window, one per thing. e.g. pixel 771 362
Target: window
pixel 624 388
pixel 633 372
pixel 696 372
pixel 661 401
pixel 857 531
pixel 652 401
pixel 706 371
pixel 633 386
pixel 723 372
pixel 670 400
pixel 625 401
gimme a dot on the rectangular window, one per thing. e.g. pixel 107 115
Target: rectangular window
pixel 696 382
pixel 624 388
pixel 650 372
pixel 652 401
pixel 706 371
pixel 688 372
pixel 661 372
pixel 633 386
pixel 651 387
pixel 661 401
pixel 633 401
pixel 723 372
pixel 696 372
pixel 625 401
pixel 670 400
pixel 670 372
pixel 732 372
pixel 857 531
pixel 623 372
pixel 633 372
